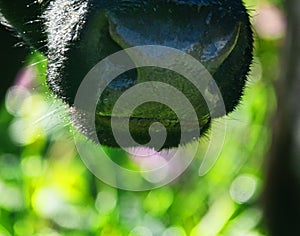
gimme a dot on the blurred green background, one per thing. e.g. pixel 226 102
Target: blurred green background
pixel 45 189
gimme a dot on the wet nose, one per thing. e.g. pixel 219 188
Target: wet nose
pixel 216 33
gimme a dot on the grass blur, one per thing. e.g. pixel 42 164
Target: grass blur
pixel 45 189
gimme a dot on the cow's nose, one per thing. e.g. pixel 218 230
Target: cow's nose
pixel 215 32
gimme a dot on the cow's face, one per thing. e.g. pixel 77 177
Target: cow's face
pixel 78 34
